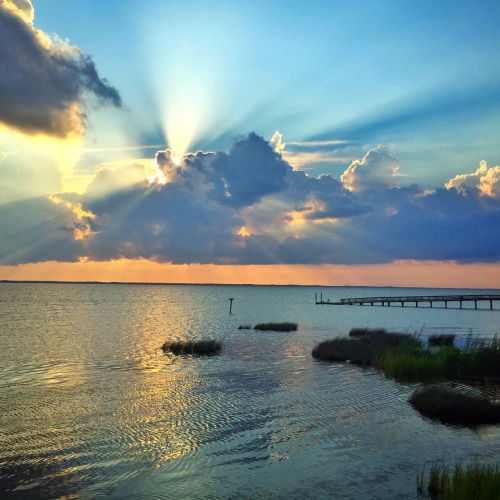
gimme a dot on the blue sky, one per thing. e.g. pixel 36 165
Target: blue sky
pixel 388 116
pixel 419 76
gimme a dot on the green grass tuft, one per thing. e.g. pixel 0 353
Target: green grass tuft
pixel 412 362
pixel 475 481
pixel 198 347
pixel 276 327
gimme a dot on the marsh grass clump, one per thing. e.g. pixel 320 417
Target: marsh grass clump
pixel 472 481
pixel 363 346
pixel 410 363
pixel 276 327
pixel 451 406
pixel 198 347
pixel 482 362
pixel 441 339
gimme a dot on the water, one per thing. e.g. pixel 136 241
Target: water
pixel 90 406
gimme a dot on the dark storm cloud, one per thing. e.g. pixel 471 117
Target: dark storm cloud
pixel 163 224
pixel 248 206
pixel 45 84
pixel 442 225
pixel 251 171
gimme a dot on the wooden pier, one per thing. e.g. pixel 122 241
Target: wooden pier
pixel 413 299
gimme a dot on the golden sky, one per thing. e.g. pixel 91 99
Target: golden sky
pixel 400 273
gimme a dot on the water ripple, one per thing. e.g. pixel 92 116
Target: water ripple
pixel 91 407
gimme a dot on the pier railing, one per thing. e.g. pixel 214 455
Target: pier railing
pixel 413 299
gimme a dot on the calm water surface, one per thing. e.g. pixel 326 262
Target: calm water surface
pixel 91 407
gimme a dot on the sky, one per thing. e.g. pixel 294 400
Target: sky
pixel 324 142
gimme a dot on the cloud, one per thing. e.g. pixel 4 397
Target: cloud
pixel 248 206
pixel 487 180
pixel 23 7
pixel 276 142
pixel 38 230
pixel 111 180
pixel 318 144
pixel 377 170
pixel 46 83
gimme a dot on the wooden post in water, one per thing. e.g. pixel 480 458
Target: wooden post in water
pixel 231 305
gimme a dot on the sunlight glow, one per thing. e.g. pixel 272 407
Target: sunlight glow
pixel 193 80
pixel 244 232
pixel 40 152
pixel 181 124
pixel 156 175
pixel 84 230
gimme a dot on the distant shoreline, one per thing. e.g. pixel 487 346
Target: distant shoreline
pixel 142 283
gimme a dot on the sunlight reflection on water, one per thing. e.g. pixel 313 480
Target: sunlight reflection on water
pixel 91 406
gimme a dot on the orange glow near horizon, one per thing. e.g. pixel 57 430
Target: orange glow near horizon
pixel 433 274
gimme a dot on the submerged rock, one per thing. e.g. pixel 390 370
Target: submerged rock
pixel 452 406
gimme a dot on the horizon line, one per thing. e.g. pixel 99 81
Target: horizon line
pixel 158 283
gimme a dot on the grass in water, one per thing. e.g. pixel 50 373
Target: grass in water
pixel 410 362
pixel 277 327
pixel 475 481
pixel 402 356
pixel 199 347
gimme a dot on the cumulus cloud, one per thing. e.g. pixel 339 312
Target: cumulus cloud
pixel 248 206
pixel 46 83
pixel 487 180
pixel 277 142
pixel 375 171
pixel 251 171
pixel 110 180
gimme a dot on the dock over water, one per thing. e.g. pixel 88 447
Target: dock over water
pixel 415 300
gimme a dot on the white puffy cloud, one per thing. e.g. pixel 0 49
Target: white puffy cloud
pixel 487 180
pixel 376 170
pixel 46 83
